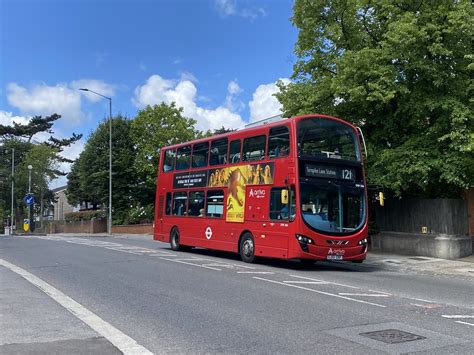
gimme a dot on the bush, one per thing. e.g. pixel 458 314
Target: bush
pixel 84 215
pixel 140 214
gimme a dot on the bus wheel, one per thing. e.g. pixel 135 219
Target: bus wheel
pixel 247 248
pixel 174 240
pixel 357 261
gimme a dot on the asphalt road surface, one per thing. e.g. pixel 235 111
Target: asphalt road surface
pixel 77 295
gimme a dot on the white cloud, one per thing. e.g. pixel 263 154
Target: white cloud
pixel 231 101
pixel 227 8
pixel 46 100
pixel 233 88
pixel 264 104
pixel 63 99
pixel 184 93
pixel 7 119
pixel 185 75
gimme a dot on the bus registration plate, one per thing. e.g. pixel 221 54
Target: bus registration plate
pixel 335 257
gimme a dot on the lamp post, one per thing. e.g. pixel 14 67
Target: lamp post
pixel 29 192
pixel 109 224
pixel 12 214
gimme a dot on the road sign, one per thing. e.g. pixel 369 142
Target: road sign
pixel 29 199
pixel 26 224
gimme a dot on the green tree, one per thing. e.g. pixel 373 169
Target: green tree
pixel 155 127
pixel 402 71
pixel 44 157
pixel 88 180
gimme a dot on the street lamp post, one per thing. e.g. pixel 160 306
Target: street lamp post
pixel 12 214
pixel 29 192
pixel 109 224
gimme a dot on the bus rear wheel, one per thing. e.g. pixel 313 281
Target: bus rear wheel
pixel 174 240
pixel 247 248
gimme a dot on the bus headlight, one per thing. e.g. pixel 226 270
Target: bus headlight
pixel 363 241
pixel 304 240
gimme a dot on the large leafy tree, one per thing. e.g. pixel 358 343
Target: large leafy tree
pixel 88 180
pixel 155 127
pixel 402 71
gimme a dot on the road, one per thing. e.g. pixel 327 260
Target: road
pixel 108 295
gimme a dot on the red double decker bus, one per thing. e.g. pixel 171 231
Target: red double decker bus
pixel 291 189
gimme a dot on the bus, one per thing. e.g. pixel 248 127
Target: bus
pixel 294 188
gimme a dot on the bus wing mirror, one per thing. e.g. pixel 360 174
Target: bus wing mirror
pixel 381 199
pixel 363 141
pixel 284 196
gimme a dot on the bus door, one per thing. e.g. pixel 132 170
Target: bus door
pixel 159 215
pixel 215 232
pixel 163 225
pixel 278 228
pixel 270 238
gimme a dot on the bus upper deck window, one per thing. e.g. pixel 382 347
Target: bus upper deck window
pixel 182 157
pixel 200 153
pixel 279 142
pixel 218 153
pixel 234 151
pixel 168 164
pixel 254 148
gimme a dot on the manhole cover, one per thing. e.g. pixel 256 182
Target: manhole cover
pixel 392 336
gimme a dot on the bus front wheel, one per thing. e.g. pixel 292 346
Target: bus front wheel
pixel 247 248
pixel 174 240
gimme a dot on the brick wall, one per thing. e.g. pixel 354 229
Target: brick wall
pixel 92 226
pixel 134 229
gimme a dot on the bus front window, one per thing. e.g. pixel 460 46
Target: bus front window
pixel 323 138
pixel 328 207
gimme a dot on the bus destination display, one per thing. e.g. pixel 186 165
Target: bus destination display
pixel 329 172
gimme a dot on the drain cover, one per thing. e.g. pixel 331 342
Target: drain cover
pixel 392 336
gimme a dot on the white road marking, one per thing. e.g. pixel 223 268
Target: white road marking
pixel 320 292
pixel 331 283
pixel 458 316
pixel 123 251
pixel 122 341
pixel 420 299
pixel 306 282
pixel 255 272
pixel 131 249
pixel 162 254
pixel 363 294
pixel 226 266
pixel 381 292
pixel 184 262
pixel 244 266
pixel 461 322
pixel 427 306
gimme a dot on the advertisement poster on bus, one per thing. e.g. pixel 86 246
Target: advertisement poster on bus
pixel 236 178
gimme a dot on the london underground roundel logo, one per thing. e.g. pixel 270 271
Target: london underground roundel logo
pixel 208 233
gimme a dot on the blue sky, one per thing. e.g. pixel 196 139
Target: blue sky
pixel 219 59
